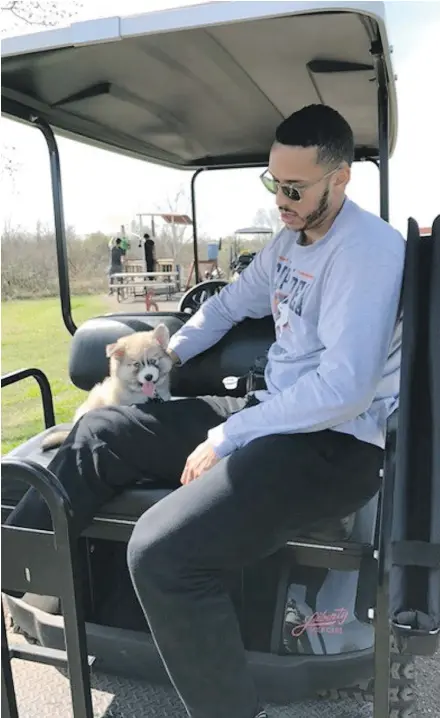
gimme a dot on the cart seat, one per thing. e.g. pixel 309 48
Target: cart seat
pixel 126 508
pixel 235 354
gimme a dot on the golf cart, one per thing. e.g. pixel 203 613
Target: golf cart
pixel 342 609
pixel 240 257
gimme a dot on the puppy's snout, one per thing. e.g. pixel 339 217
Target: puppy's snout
pixel 150 373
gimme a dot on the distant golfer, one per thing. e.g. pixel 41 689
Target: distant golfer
pixel 117 254
pixel 150 253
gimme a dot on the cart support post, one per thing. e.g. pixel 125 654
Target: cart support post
pixel 194 220
pixel 60 227
pixel 383 127
pixel 381 617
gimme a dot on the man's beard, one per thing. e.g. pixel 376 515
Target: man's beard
pixel 319 215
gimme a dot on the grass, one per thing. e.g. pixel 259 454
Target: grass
pixel 34 335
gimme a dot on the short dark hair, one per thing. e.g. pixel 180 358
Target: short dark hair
pixel 146 236
pixel 322 127
pixel 118 241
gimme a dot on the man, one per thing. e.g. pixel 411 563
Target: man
pixel 117 254
pixel 150 254
pixel 249 471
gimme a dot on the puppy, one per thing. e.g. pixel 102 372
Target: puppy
pixel 139 371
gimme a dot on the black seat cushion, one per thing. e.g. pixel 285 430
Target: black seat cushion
pixel 234 355
pixel 133 502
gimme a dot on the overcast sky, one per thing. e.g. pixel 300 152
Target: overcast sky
pixel 103 190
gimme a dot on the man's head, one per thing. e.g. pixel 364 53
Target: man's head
pixel 146 236
pixel 118 242
pixel 309 166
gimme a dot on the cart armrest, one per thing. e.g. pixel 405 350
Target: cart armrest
pixel 43 382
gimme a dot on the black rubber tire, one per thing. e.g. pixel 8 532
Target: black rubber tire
pixel 194 297
pixel 402 686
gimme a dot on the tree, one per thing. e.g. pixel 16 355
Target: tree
pixel 17 14
pixel 174 236
pixel 269 218
pixel 9 162
pixel 47 13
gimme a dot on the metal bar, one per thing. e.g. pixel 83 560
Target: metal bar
pixel 75 633
pixel 43 655
pixel 9 700
pixel 43 382
pixel 381 617
pixel 130 275
pixel 69 573
pixel 383 128
pixel 60 227
pixel 194 219
pixel 382 623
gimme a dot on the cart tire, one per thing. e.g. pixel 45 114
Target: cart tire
pixel 402 686
pixel 194 297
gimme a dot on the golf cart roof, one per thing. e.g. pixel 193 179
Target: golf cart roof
pixel 170 217
pixel 205 85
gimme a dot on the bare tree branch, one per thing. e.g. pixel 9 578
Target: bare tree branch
pixel 37 13
pixel 174 235
pixel 34 12
pixel 9 165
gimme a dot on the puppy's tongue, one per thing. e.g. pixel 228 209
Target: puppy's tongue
pixel 148 389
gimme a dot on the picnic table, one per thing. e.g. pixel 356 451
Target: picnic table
pixel 137 284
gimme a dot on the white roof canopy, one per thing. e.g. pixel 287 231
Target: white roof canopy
pixel 204 85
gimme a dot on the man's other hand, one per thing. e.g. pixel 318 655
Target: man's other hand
pixel 201 459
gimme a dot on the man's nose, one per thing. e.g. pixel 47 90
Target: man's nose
pixel 280 198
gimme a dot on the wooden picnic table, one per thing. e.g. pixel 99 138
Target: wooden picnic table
pixel 138 283
pixel 133 275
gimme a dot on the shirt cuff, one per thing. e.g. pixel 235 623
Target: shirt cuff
pixel 177 345
pixel 220 442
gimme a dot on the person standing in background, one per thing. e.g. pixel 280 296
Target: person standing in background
pixel 150 253
pixel 117 254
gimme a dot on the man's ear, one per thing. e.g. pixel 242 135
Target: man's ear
pixel 162 335
pixel 343 176
pixel 114 350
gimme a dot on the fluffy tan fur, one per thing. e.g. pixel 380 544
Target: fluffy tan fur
pixel 136 360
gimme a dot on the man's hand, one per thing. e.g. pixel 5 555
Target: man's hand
pixel 201 459
pixel 173 356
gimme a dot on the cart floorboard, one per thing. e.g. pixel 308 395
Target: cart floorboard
pixel 43 692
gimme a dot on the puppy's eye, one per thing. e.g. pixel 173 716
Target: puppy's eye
pixel 137 364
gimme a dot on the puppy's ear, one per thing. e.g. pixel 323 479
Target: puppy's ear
pixel 114 350
pixel 162 335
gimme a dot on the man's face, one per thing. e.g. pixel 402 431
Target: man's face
pixel 319 187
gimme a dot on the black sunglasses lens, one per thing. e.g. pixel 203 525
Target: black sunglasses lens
pixel 291 193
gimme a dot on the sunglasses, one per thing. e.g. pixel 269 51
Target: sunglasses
pixel 289 190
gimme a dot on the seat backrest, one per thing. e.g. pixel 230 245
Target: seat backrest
pixel 234 355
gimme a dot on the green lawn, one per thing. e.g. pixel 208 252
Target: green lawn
pixel 34 335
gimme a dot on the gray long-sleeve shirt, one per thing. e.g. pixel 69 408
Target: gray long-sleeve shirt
pixel 335 363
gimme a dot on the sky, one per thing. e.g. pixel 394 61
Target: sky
pixel 103 190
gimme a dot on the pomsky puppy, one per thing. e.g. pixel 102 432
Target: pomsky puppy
pixel 139 371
